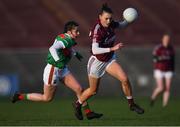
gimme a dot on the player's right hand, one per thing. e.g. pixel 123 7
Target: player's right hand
pixel 117 46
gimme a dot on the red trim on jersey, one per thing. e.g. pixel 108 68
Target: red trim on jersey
pixel 62 36
pixel 51 75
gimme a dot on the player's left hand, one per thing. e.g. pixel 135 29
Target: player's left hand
pixel 78 56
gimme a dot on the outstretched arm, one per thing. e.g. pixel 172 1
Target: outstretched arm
pixel 98 50
pixel 123 24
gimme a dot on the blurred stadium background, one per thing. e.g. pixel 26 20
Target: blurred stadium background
pixel 28 28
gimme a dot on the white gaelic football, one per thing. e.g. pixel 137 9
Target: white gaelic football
pixel 130 14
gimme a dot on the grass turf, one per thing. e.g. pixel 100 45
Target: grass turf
pixel 59 112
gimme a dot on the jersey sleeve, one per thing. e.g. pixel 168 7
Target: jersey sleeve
pixel 155 51
pixel 55 47
pixel 123 24
pixel 119 24
pixel 67 41
pixel 155 54
pixel 96 34
pixel 62 39
pixel 97 50
pixel 114 24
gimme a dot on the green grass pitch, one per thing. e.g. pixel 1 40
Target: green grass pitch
pixel 59 112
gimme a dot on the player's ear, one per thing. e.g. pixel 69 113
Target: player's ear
pixel 100 15
pixel 68 32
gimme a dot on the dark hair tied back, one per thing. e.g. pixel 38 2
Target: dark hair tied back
pixel 105 8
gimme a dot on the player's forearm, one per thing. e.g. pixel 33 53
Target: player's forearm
pixel 76 54
pixel 97 50
pixel 73 51
pixel 158 58
pixel 155 59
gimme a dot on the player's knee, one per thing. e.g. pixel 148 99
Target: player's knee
pixel 78 90
pixel 93 91
pixel 167 89
pixel 125 81
pixel 47 99
pixel 160 89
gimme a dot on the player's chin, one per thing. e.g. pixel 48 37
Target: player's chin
pixel 75 37
pixel 107 25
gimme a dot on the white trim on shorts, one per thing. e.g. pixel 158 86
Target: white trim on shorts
pixel 163 74
pixel 52 75
pixel 96 68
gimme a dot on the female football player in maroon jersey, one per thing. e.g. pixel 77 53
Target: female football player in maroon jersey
pixel 103 59
pixel 163 58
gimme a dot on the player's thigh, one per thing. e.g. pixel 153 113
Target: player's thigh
pixel 159 75
pixel 50 75
pixel 49 91
pixel 116 71
pixel 96 68
pixel 168 80
pixel 94 83
pixel 159 83
pixel 72 83
pixel 168 83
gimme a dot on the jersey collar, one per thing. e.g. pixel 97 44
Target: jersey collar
pixel 68 35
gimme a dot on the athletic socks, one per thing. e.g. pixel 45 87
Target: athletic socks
pixel 85 106
pixel 23 97
pixel 130 100
pixel 86 109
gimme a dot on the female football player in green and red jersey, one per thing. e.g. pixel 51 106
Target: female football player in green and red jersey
pixel 59 55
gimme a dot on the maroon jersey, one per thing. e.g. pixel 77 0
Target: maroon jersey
pixel 164 58
pixel 105 37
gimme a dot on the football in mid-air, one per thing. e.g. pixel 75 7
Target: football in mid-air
pixel 130 14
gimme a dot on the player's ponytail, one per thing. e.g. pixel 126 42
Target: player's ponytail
pixel 105 8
